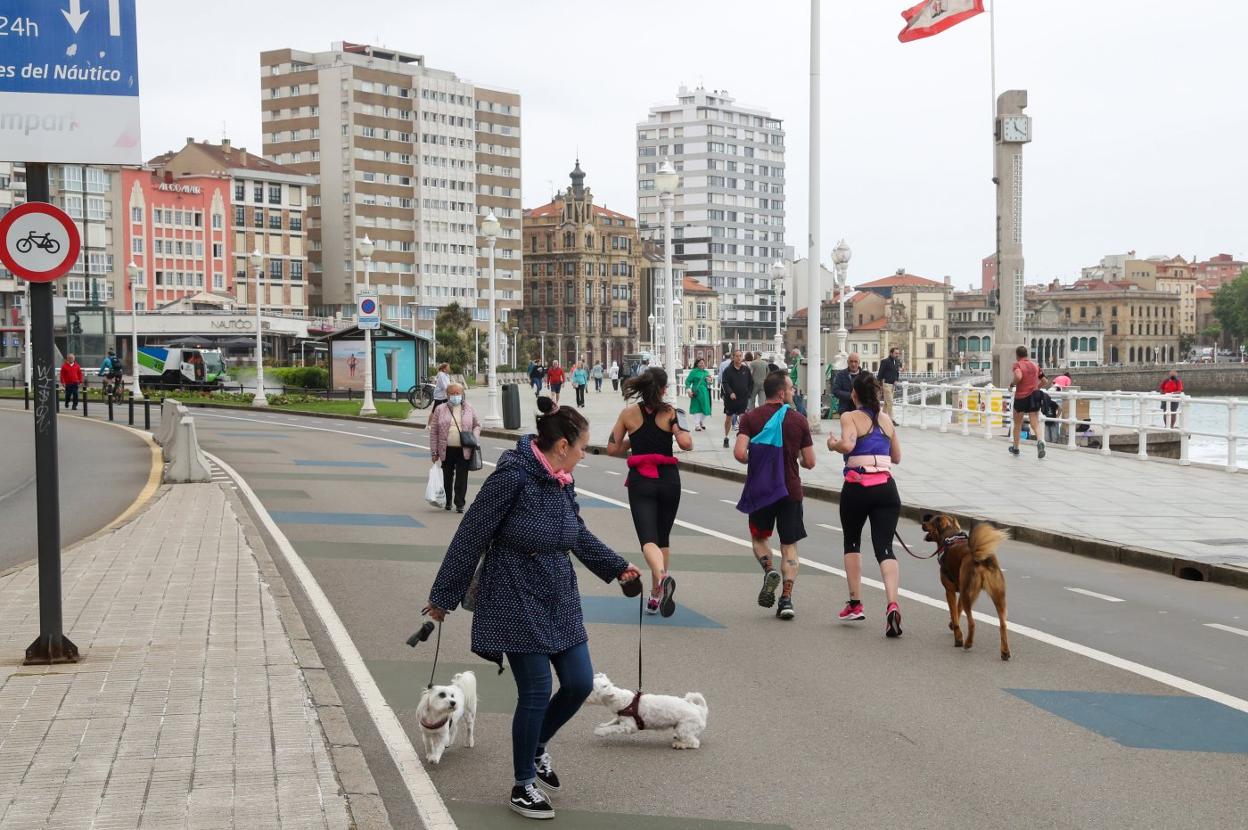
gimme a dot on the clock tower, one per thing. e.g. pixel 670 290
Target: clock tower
pixel 1013 130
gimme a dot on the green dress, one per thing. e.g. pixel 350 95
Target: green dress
pixel 700 403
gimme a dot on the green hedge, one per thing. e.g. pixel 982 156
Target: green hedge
pixel 307 377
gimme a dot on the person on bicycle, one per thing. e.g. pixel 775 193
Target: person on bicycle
pixel 112 371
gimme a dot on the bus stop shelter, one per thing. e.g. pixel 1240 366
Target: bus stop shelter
pixel 400 359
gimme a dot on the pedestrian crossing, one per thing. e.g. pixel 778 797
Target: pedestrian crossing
pixel 219 476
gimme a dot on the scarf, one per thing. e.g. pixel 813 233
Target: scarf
pixel 563 478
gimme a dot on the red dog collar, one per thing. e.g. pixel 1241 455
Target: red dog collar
pixel 437 725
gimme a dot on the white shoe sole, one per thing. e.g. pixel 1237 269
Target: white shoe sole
pixel 535 814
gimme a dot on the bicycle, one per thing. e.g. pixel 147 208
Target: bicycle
pixel 115 388
pixel 44 242
pixel 421 397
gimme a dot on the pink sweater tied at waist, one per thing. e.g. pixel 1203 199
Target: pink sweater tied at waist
pixel 648 465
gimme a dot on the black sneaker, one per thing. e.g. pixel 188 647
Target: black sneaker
pixel 767 596
pixel 892 621
pixel 546 773
pixel 784 610
pixel 667 605
pixel 725 442
pixel 1013 450
pixel 1039 449
pixel 530 802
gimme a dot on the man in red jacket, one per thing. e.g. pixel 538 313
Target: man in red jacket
pixel 71 377
pixel 1171 386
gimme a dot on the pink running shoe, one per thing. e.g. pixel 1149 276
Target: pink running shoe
pixel 892 621
pixel 852 611
pixel 652 605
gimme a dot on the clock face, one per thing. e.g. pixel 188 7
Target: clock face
pixel 1016 128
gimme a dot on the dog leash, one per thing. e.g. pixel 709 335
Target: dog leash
pixel 912 553
pixel 437 649
pixel 641 607
pixel 420 636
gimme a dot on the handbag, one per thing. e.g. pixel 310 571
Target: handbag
pixel 468 441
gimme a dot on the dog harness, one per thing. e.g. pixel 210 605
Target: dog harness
pixel 961 536
pixel 631 710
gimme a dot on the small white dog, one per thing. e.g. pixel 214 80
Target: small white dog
pixel 634 712
pixel 440 711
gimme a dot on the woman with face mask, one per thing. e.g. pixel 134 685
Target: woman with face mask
pixel 447 426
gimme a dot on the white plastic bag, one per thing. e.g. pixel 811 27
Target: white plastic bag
pixel 435 494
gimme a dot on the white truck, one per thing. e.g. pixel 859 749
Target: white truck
pixel 171 367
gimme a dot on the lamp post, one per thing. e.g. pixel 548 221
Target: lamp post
pixel 132 271
pixel 542 334
pixel 666 181
pixel 366 251
pixel 260 399
pixel 490 229
pixel 840 260
pixel 653 335
pixel 777 289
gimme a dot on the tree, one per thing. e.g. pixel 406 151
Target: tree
pixel 455 338
pixel 1230 306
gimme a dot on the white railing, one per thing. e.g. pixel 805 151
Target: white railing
pixel 1087 419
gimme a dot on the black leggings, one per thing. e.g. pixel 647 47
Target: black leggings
pixel 653 503
pixel 882 505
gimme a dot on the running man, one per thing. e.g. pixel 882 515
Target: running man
pixel 737 383
pixel 772 495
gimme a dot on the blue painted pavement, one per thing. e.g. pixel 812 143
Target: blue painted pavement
pixel 313 463
pixel 311 517
pixel 623 611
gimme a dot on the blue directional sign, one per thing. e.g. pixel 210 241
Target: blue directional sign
pixel 69 81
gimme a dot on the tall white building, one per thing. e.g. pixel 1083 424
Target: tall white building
pixel 412 157
pixel 728 214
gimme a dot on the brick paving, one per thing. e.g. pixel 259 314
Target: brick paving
pixel 189 709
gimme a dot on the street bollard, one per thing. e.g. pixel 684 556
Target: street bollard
pixel 147 414
pixel 131 405
pixel 110 408
pixel 85 397
pixel 26 398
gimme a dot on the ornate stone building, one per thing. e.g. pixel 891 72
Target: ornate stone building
pixel 582 272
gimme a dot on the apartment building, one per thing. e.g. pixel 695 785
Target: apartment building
pixel 1141 326
pixel 267 210
pixel 410 156
pixel 729 210
pixel 917 314
pixel 583 267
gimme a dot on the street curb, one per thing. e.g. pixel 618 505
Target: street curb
pixel 355 779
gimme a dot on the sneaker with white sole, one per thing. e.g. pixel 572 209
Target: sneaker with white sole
pixel 530 802
pixel 852 611
pixel 767 596
pixel 546 773
pixel 784 609
pixel 1039 449
pixel 667 589
pixel 652 605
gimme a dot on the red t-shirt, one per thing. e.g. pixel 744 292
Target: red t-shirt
pixel 1171 386
pixel 1030 378
pixel 796 431
pixel 554 375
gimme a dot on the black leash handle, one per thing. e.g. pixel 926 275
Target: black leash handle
pixel 421 635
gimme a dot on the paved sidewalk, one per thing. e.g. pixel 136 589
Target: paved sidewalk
pixel 189 709
pixel 1117 507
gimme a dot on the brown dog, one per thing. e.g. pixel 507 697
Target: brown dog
pixel 968 564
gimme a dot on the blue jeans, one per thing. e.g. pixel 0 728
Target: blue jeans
pixel 538 715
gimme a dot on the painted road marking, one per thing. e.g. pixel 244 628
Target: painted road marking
pixel 1220 627
pixel 424 794
pixel 611 472
pixel 690 492
pixel 303 462
pixel 725 501
pixel 1094 594
pixel 829 527
pixel 1165 678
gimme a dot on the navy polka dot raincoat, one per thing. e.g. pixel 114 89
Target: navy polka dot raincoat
pixel 528 527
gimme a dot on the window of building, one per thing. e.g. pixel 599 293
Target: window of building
pixel 258 220
pixel 296 270
pixel 240 191
pixel 257 192
pixel 275 221
pixel 275 269
pixel 136 214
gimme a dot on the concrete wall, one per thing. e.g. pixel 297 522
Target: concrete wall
pixel 1207 379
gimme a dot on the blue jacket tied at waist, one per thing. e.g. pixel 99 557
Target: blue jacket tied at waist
pixel 527 525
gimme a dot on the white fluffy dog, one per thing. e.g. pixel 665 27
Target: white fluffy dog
pixel 440 711
pixel 687 715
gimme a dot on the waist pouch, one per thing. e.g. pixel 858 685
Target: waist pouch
pixel 867 479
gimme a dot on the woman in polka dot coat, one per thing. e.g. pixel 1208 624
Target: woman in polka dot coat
pixel 526 522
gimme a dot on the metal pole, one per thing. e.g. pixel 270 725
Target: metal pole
pixel 51 646
pixel 260 399
pixel 814 354
pixel 494 419
pixel 842 334
pixel 669 300
pixel 135 390
pixel 26 352
pixel 368 408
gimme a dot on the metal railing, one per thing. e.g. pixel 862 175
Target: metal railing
pixel 988 410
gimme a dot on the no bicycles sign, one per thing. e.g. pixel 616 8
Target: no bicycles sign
pixel 39 242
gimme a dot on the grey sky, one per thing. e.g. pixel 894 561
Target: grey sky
pixel 1141 114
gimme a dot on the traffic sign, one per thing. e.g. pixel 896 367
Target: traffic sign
pixel 69 81
pixel 39 242
pixel 368 312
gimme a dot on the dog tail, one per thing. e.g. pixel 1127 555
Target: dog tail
pixel 468 682
pixel 985 539
pixel 697 700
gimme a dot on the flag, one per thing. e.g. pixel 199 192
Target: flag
pixel 934 16
pixel 764 475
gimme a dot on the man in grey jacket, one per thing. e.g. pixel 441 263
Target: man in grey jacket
pixel 758 370
pixel 843 384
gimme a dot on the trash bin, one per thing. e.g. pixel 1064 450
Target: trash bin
pixel 511 406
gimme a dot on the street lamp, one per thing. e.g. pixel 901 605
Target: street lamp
pixel 653 335
pixel 542 334
pixel 840 260
pixel 666 181
pixel 260 399
pixel 366 251
pixel 777 289
pixel 490 229
pixel 133 271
